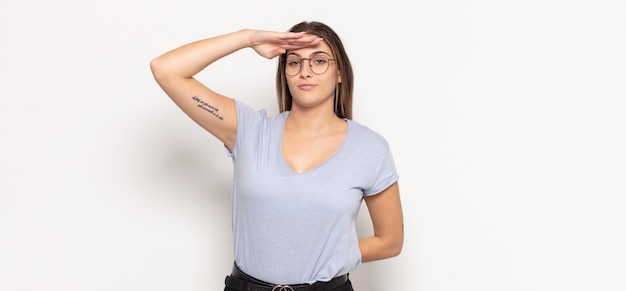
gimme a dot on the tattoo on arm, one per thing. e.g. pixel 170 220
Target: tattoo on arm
pixel 207 107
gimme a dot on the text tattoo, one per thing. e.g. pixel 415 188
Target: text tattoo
pixel 208 107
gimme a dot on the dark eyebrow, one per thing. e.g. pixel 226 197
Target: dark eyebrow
pixel 313 53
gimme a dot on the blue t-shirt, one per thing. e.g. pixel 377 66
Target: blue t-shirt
pixel 293 227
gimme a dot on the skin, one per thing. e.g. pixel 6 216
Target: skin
pixel 312 131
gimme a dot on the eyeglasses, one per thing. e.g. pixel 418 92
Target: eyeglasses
pixel 318 63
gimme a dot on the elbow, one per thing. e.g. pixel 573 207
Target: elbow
pixel 393 244
pixel 164 72
pixel 156 66
pixel 374 249
pixel 395 248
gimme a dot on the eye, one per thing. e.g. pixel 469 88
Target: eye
pixel 292 62
pixel 319 59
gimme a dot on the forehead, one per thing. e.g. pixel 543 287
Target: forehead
pixel 307 51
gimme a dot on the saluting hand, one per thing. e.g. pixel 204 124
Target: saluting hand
pixel 270 44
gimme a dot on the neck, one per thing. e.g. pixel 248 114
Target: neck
pixel 313 120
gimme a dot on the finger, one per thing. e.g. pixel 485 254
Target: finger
pixel 312 39
pixel 301 44
pixel 292 35
pixel 297 37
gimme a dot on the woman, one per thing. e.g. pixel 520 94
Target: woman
pixel 299 176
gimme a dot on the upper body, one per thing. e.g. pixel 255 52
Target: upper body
pixel 300 227
pixel 312 140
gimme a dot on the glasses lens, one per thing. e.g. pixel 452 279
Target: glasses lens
pixel 292 65
pixel 319 64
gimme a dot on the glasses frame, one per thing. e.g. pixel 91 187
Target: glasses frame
pixel 310 66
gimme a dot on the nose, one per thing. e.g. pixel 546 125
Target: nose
pixel 305 70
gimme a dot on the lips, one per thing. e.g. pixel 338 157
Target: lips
pixel 306 86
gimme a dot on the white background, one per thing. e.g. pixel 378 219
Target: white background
pixel 507 120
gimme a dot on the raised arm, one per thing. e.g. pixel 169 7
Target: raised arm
pixel 174 71
pixel 386 213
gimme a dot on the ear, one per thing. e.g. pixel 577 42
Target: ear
pixel 338 77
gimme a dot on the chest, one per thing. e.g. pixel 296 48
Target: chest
pixel 303 153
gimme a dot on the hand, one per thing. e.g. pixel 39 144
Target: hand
pixel 270 44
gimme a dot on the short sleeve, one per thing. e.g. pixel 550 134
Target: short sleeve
pixel 386 176
pixel 248 121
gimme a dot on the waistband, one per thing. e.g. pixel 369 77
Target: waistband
pixel 241 281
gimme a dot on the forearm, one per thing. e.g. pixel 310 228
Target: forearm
pixel 188 60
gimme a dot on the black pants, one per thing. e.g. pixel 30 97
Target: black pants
pixel 345 287
pixel 239 281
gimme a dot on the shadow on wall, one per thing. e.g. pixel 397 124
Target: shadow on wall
pixel 186 172
pixel 178 155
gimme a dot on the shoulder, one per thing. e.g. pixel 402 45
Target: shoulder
pixel 245 111
pixel 247 114
pixel 366 136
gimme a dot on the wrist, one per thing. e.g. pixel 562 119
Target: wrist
pixel 246 35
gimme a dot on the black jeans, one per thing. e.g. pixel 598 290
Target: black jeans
pixel 240 281
pixel 347 286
